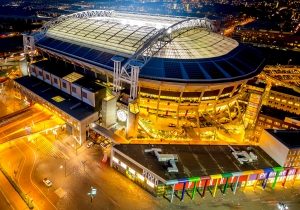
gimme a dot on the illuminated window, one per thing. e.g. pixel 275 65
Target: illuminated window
pixel 140 177
pixel 116 160
pixel 151 184
pixel 285 126
pixel 271 97
pixel 269 121
pixel 58 99
pixel 123 165
pixel 276 123
pixel 131 170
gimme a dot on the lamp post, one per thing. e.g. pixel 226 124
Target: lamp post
pixel 92 193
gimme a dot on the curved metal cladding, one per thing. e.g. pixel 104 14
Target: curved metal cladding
pixel 243 62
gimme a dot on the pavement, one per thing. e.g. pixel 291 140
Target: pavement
pixel 14 201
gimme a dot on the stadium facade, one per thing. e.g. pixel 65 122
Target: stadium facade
pixel 107 66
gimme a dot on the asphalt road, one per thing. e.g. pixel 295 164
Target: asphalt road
pixel 15 128
pixel 73 175
pixel 4 205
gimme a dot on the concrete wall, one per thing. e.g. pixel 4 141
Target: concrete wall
pixel 90 99
pixel 47 77
pixel 274 148
pixel 32 70
pixel 39 73
pixel 66 89
pixel 77 93
pixel 58 84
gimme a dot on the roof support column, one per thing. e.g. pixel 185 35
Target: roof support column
pixel 295 176
pixel 183 191
pixel 255 183
pixel 236 184
pixel 248 176
pixel 194 189
pixel 275 179
pixel 285 177
pixel 225 186
pixel 172 195
pixel 204 188
pixel 117 72
pixel 216 187
pixel 266 180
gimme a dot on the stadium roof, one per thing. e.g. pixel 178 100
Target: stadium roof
pixel 197 55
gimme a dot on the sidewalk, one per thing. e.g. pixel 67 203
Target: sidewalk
pixel 13 197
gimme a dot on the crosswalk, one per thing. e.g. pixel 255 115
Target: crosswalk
pixel 45 147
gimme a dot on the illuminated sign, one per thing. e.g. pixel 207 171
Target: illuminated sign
pixel 149 176
pixel 121 115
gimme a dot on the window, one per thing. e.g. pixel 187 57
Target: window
pixel 64 85
pixel 47 77
pixel 84 94
pixel 55 81
pixel 285 126
pixel 276 123
pixel 40 73
pixel 74 89
pixel 269 121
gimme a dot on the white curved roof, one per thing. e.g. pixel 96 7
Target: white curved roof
pixel 124 34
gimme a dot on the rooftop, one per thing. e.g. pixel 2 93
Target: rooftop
pixel 255 82
pixel 289 138
pixel 277 113
pixel 125 33
pixel 197 55
pixel 285 90
pixel 63 101
pixel 195 160
pixel 73 74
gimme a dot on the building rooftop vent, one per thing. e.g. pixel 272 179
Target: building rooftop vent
pixel 170 158
pixel 243 156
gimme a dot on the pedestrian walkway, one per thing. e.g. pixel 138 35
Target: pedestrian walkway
pixel 11 195
pixel 43 144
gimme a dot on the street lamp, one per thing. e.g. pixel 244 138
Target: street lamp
pixel 92 193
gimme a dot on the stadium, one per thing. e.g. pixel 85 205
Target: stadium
pixel 110 67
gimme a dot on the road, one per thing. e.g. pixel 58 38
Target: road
pixel 35 119
pixel 4 205
pixel 73 175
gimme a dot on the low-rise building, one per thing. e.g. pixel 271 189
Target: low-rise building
pixel 197 170
pixel 285 99
pixel 282 145
pixel 271 118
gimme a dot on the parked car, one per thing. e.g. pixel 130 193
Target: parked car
pixel 90 144
pixel 47 182
pixel 172 125
pixel 282 206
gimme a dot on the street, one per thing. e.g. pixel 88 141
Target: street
pixel 73 176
